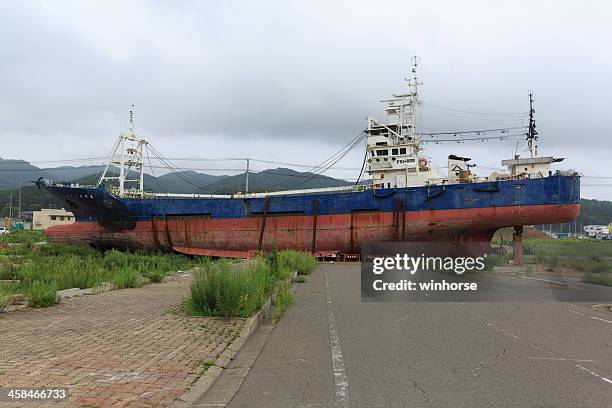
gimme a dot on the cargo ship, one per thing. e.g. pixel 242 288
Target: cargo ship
pixel 406 198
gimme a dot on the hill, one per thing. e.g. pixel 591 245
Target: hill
pixel 274 179
pixel 15 172
pixel 69 173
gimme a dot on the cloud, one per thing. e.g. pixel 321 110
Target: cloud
pixel 296 80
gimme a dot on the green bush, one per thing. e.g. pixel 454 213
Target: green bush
pixel 126 278
pixel 602 278
pixel 301 262
pixel 4 298
pixel 42 294
pixel 599 267
pixel 492 260
pixel 218 291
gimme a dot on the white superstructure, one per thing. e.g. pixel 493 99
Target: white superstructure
pixel 395 156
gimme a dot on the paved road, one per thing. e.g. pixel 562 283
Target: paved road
pixel 333 350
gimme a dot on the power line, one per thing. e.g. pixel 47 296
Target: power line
pixel 474 112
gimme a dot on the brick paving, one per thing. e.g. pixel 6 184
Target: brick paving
pixel 124 348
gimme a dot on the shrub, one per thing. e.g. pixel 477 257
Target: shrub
pixel 4 299
pixel 298 261
pixel 600 267
pixel 218 291
pixel 42 294
pixel 604 278
pixel 492 260
pixel 77 272
pixel 126 278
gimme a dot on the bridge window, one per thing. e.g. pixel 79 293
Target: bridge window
pixel 402 150
pixel 394 151
pixel 382 152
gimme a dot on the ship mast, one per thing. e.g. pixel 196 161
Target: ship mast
pixel 410 115
pixel 532 133
pixel 127 155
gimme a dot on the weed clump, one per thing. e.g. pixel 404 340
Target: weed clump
pixel 298 261
pixel 42 294
pixel 218 291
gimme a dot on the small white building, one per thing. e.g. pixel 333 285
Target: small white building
pixel 45 218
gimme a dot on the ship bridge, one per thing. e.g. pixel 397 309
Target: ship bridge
pixel 394 154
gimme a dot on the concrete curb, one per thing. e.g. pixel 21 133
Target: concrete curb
pixel 208 378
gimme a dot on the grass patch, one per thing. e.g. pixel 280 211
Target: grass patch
pixel 298 261
pixel 23 237
pixel 4 298
pixel 218 291
pixel 567 247
pixel 42 294
pixel 73 266
pixel 126 278
pixel 284 299
pixel 604 278
pixel 299 279
pixel 492 260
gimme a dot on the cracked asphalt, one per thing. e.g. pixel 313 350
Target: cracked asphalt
pixel 427 354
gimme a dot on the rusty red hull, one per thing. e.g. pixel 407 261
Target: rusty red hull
pixel 240 237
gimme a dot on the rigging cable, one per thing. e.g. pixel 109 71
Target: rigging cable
pixel 365 158
pixel 318 170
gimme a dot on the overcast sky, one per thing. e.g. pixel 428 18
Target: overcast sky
pixel 294 81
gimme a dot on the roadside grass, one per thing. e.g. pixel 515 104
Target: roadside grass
pixel 590 257
pixel 599 273
pixel 299 279
pixel 567 247
pixel 216 290
pixel 42 294
pixel 23 237
pixel 43 269
pixel 49 267
pixel 492 260
pixel 4 297
pixel 284 299
pixel 298 261
pixel 599 278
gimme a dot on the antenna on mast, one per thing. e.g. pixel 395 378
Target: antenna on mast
pixel 414 83
pixel 532 133
pixel 131 128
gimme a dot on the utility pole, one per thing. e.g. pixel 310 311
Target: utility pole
pixel 11 209
pixel 246 183
pixel 19 204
